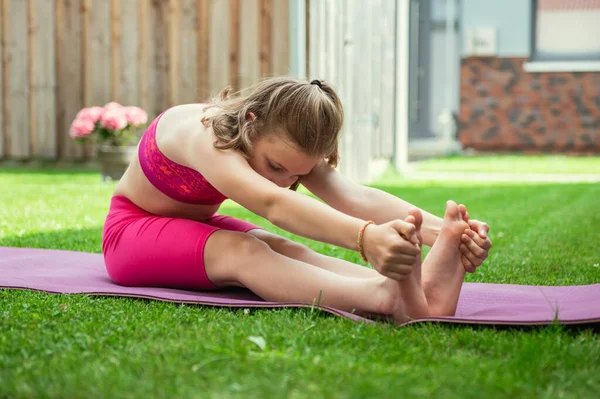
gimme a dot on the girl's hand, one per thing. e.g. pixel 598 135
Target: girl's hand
pixel 474 250
pixel 392 248
pixel 475 244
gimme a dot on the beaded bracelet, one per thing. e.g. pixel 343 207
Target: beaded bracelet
pixel 361 232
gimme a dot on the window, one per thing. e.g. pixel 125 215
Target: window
pixel 566 30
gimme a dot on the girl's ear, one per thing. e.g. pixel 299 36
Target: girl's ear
pixel 251 116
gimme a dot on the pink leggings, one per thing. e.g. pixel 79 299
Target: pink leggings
pixel 142 249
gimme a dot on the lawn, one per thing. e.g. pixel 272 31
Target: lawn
pixel 546 164
pixel 67 346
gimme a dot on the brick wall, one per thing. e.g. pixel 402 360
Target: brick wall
pixel 504 108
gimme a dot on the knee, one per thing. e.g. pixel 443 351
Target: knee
pixel 287 247
pixel 232 256
pixel 247 246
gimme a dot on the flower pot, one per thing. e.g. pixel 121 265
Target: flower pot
pixel 114 160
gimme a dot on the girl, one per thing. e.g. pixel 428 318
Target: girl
pixel 163 228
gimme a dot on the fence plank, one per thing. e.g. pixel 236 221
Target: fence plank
pixel 202 56
pixel 388 71
pixel 15 51
pixel 31 64
pixel 159 64
pixel 86 49
pixel 187 77
pixel 280 49
pixel 42 80
pixel 363 95
pixel 375 76
pixel 234 44
pixel 97 53
pixel 249 67
pixel 307 35
pixel 145 87
pixel 115 53
pixel 69 74
pixel 173 51
pixel 219 46
pixel 4 137
pixel 152 95
pixel 265 27
pixel 129 54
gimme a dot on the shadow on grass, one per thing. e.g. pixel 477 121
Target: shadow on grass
pixel 84 240
pixel 49 168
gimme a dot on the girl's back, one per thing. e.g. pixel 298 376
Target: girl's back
pixel 173 131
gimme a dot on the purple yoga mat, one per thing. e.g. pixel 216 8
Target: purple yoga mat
pixel 58 271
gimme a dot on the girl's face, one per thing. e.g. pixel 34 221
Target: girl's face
pixel 275 158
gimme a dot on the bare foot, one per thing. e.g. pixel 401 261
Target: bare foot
pixel 392 306
pixel 443 271
pixel 408 300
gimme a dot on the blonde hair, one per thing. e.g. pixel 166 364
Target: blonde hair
pixel 310 113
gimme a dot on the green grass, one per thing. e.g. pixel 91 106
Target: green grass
pixel 67 346
pixel 547 164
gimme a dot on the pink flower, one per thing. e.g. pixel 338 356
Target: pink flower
pixel 81 127
pixel 114 119
pixel 112 105
pixel 91 113
pixel 135 116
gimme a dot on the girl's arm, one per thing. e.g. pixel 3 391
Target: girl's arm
pixel 365 203
pixel 294 212
pixel 383 207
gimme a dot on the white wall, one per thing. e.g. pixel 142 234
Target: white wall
pixel 568 32
pixel 511 18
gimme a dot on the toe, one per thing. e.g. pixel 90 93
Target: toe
pixel 417 215
pixel 452 211
pixel 462 209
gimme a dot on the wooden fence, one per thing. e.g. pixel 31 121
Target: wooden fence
pixel 61 55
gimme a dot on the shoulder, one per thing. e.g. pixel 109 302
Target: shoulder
pixel 321 171
pixel 174 118
pixel 180 129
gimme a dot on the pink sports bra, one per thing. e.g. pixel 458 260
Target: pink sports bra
pixel 176 181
